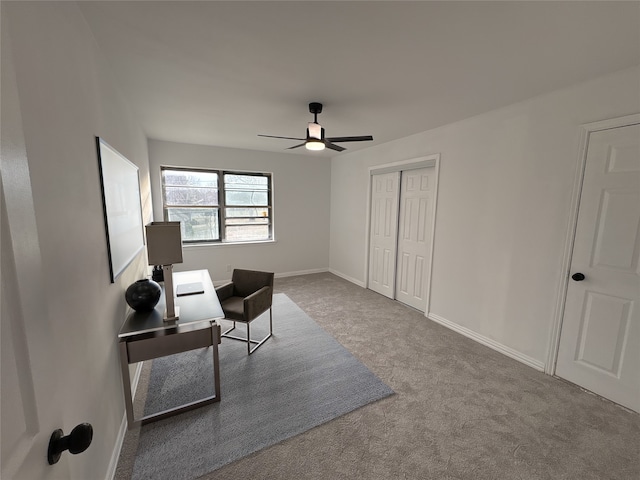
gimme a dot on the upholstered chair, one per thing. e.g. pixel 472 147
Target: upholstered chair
pixel 245 298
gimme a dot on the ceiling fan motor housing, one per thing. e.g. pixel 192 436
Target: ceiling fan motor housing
pixel 315 108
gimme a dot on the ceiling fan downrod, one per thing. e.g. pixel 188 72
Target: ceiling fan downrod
pixel 315 108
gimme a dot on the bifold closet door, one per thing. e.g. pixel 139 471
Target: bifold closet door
pixel 383 233
pixel 415 227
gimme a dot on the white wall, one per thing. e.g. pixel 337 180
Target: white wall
pixel 65 96
pixel 506 179
pixel 301 201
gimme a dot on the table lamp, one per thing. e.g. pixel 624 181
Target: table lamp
pixel 164 247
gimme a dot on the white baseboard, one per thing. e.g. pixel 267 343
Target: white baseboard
pixel 301 272
pixel 115 455
pixel 322 270
pixel 497 346
pixel 279 275
pixel 347 278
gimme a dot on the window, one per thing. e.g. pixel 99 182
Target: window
pixel 218 205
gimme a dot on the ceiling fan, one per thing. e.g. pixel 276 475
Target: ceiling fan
pixel 315 135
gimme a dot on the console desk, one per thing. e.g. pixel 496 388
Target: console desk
pixel 145 336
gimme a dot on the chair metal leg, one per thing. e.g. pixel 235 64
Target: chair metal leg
pixel 232 328
pixel 257 343
pixel 248 338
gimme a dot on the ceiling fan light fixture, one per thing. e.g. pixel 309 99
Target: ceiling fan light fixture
pixel 313 144
pixel 315 140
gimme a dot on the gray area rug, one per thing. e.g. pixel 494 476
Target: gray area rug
pixel 300 378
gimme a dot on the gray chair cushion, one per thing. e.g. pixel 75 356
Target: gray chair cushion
pixel 233 308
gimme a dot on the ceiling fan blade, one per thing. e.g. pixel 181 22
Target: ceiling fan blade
pixel 285 138
pixel 330 145
pixel 362 138
pixel 296 146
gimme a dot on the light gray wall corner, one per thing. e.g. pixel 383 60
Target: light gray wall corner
pixel 355 281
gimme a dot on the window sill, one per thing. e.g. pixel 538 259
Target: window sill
pixel 227 244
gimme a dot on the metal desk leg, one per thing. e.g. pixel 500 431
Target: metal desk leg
pixel 215 340
pixel 126 383
pixel 202 339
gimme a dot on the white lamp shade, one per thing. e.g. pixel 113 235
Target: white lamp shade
pixel 164 243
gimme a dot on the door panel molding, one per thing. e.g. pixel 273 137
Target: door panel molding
pixel 572 222
pixel 624 256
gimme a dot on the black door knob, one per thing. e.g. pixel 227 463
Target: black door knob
pixel 76 442
pixel 578 277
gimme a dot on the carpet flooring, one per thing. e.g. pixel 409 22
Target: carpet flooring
pixel 300 378
pixel 461 411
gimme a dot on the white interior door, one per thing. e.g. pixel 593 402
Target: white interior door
pixel 600 340
pixel 383 233
pixel 414 237
pixel 30 409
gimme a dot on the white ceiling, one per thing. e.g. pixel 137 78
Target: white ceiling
pixel 220 73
